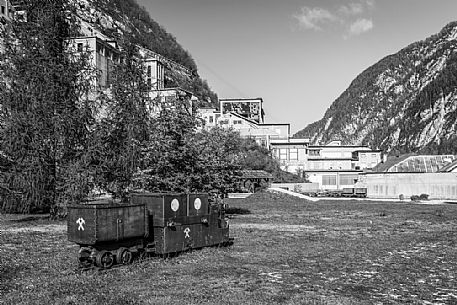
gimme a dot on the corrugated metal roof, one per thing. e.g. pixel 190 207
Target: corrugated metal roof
pixel 389 163
pixel 415 163
pixel 449 167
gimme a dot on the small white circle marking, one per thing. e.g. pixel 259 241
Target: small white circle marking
pixel 197 204
pixel 174 205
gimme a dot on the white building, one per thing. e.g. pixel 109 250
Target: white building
pixel 333 166
pixel 103 55
pixel 262 133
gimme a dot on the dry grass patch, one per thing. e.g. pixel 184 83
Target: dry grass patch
pixel 286 251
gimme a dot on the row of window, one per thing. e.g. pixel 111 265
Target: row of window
pixel 436 190
pixel 318 165
pixel 288 154
pixel 225 122
pixel 345 179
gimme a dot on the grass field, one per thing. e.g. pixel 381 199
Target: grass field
pixel 286 251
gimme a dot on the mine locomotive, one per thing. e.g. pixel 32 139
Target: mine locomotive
pixel 149 224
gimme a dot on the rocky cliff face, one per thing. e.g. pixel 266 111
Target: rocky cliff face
pixel 405 102
pixel 113 19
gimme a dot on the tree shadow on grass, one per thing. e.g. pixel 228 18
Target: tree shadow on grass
pixel 237 211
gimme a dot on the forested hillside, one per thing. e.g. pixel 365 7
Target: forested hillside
pixel 116 18
pixel 407 102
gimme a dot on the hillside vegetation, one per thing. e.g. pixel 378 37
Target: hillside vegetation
pixel 406 102
pixel 117 18
pixel 60 143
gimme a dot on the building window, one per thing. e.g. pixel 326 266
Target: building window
pixel 80 47
pixel 237 122
pixel 210 119
pixel 149 71
pixel 348 179
pixel 223 122
pixel 263 143
pixel 328 180
pixel 314 152
pixel 283 154
pixel 3 10
pixel 99 48
pixel 293 154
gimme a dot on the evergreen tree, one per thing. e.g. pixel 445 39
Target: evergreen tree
pixel 171 157
pixel 44 115
pixel 123 133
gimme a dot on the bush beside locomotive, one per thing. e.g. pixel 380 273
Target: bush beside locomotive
pixel 151 223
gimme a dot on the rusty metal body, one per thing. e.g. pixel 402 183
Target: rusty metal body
pixel 152 223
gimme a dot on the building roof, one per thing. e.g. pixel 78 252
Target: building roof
pixel 289 141
pixel 341 146
pixel 239 99
pixel 255 174
pixel 449 167
pixel 411 163
pixel 323 171
pixel 391 161
pixel 243 118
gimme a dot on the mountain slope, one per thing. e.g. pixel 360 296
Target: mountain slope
pixel 116 18
pixel 406 102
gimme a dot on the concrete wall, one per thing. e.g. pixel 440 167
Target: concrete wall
pixel 391 185
pixel 298 187
pixel 337 179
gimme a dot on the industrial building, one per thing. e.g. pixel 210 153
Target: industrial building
pixel 249 108
pixel 408 175
pixel 333 166
pixel 105 54
pixel 262 133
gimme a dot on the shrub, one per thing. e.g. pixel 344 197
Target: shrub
pixel 237 211
pixel 423 196
pixel 415 198
pixel 401 197
pixel 297 188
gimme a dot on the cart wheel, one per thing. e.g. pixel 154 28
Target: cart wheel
pixel 124 256
pixel 104 259
pixel 84 258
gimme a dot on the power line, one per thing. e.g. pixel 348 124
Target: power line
pixel 221 78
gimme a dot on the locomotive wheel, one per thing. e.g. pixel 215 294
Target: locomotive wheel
pixel 104 259
pixel 124 256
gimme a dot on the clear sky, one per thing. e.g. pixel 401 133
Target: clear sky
pixel 298 55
